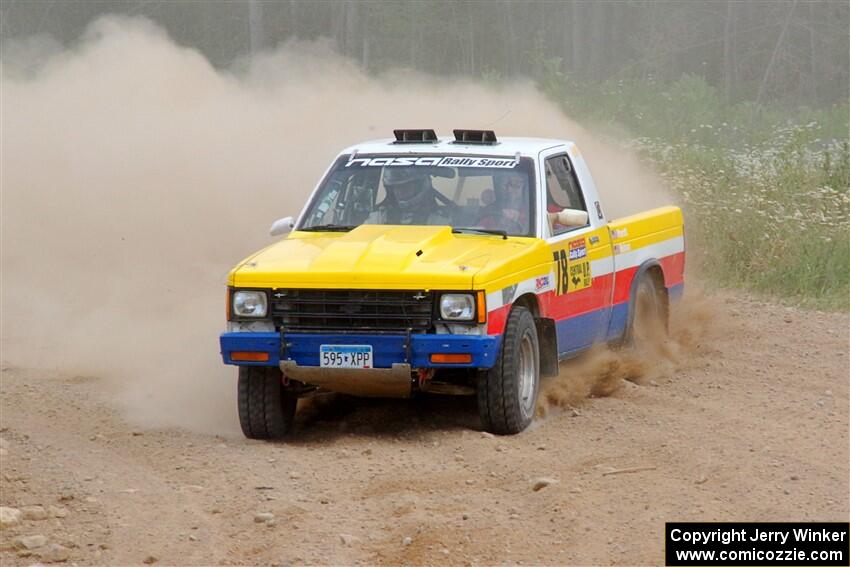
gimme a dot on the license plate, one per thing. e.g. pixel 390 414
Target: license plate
pixel 345 356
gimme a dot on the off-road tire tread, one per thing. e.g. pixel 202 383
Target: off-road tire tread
pixel 628 340
pixel 498 392
pixel 266 410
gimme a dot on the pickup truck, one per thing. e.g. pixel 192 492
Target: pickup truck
pixel 463 265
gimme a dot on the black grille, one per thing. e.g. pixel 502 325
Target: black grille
pixel 352 310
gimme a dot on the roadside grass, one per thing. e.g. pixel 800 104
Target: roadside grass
pixel 765 190
pixel 773 218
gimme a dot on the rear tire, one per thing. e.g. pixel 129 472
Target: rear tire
pixel 507 393
pixel 266 409
pixel 648 324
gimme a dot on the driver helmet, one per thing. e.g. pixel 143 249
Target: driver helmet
pixel 506 195
pixel 408 185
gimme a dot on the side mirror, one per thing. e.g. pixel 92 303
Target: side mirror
pixel 569 217
pixel 282 226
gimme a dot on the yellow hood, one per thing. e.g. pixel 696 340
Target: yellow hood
pixel 386 257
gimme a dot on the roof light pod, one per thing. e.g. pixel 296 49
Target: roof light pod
pixel 415 137
pixel 486 137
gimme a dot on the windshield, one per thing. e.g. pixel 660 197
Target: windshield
pixel 465 192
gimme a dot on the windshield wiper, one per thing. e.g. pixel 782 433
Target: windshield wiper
pixel 328 228
pixel 462 229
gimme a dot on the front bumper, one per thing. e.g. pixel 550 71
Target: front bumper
pixel 414 350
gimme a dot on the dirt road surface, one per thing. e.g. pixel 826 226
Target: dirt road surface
pixel 746 419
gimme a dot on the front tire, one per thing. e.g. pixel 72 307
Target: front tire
pixel 266 409
pixel 507 393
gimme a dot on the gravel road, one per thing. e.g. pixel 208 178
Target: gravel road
pixel 744 416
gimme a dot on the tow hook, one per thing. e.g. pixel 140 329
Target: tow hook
pixel 423 376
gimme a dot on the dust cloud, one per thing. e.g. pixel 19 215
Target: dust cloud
pixel 135 175
pixel 695 322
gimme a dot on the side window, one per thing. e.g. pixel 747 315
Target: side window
pixel 562 190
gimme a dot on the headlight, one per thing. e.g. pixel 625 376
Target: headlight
pixel 250 304
pixel 457 307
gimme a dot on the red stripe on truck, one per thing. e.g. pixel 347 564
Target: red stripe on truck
pixel 559 307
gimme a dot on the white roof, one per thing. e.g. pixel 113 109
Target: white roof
pixel 446 144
